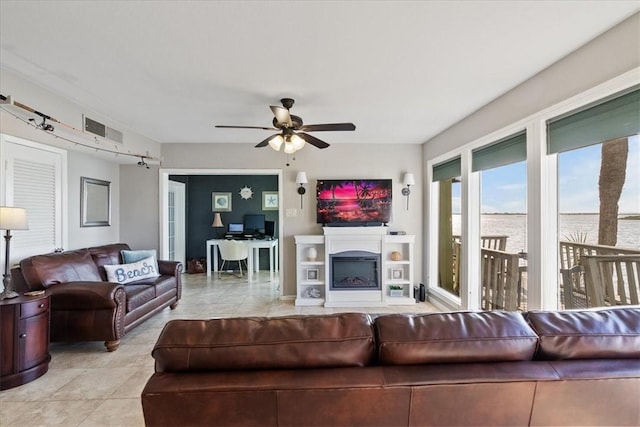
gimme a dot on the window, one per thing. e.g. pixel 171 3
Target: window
pixel 598 200
pixel 446 177
pixel 562 165
pixel 503 225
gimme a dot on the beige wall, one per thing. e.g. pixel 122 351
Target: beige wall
pixel 609 55
pixel 78 165
pixel 388 161
pixel 80 161
pixel 137 196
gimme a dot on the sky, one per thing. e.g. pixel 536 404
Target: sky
pixel 504 188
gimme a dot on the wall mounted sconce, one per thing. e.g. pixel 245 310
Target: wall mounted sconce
pixel 217 223
pixel 408 181
pixel 301 179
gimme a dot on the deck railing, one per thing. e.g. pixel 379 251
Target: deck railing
pixel 503 276
pixel 572 271
pixel 500 279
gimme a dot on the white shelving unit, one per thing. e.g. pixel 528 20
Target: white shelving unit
pixel 396 264
pixel 310 273
pixel 397 268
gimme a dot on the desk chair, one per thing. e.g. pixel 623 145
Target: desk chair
pixel 233 250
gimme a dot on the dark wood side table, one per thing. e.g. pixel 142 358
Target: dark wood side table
pixel 24 339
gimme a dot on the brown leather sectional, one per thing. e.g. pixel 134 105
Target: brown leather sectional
pixel 460 368
pixel 84 305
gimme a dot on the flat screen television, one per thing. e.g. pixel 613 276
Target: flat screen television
pixel 253 223
pixel 353 202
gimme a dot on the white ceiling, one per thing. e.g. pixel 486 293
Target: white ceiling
pixel 401 71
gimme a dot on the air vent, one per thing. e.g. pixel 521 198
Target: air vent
pixel 102 130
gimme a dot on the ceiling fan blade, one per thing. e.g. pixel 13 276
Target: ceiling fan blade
pixel 244 127
pixel 266 141
pixel 282 115
pixel 313 140
pixel 328 127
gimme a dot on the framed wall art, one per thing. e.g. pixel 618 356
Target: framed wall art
pixel 95 202
pixel 221 202
pixel 270 201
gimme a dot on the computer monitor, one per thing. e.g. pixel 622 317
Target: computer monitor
pixel 236 228
pixel 269 228
pixel 254 223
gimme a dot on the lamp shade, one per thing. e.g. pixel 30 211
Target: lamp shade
pixel 276 142
pixel 298 142
pixel 409 179
pixel 301 178
pixel 13 218
pixel 217 221
pixel 289 148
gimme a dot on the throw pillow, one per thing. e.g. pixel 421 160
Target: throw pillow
pixel 134 256
pixel 125 273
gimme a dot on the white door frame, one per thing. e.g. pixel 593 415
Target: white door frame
pixel 164 204
pixel 179 190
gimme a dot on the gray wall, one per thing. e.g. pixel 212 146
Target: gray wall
pixel 199 215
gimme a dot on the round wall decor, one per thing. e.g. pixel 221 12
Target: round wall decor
pixel 246 192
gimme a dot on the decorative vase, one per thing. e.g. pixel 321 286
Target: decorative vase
pixel 312 254
pixel 396 256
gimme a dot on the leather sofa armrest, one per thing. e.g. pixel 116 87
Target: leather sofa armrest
pixel 84 295
pixel 169 268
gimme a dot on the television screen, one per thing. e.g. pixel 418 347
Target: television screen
pixel 351 201
pixel 253 223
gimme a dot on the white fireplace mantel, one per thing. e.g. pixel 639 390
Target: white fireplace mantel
pixel 396 267
pixel 354 231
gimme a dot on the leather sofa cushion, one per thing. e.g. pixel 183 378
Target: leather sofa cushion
pixel 138 295
pixel 460 337
pixel 52 269
pixel 107 255
pixel 587 334
pixel 338 340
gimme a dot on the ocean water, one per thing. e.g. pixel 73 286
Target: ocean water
pixel 515 226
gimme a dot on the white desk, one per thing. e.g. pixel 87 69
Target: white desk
pixel 253 261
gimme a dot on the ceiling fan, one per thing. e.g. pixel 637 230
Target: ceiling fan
pixel 292 131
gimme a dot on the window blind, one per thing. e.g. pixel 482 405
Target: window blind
pixel 615 117
pixel 449 169
pixel 508 150
pixel 35 189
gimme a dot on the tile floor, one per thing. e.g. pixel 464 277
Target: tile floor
pixel 88 386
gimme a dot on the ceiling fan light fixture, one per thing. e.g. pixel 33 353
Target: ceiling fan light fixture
pixel 289 147
pixel 297 142
pixel 276 142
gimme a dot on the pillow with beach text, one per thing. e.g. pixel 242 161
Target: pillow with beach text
pixel 125 273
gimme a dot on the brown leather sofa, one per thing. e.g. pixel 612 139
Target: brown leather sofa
pixel 461 368
pixel 84 305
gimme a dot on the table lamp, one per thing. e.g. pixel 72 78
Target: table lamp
pixel 217 223
pixel 10 219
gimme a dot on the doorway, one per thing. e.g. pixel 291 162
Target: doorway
pixel 164 174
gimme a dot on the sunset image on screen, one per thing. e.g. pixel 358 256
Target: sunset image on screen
pixel 354 201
